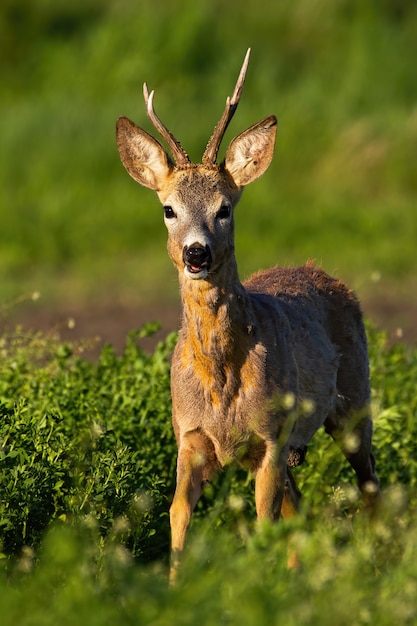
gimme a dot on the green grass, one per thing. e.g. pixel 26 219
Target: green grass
pixel 87 470
pixel 339 75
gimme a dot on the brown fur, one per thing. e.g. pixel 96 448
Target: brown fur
pixel 259 367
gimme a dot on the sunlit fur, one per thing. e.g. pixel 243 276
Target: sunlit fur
pixel 259 366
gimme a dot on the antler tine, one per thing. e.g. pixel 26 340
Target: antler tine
pixel 210 153
pixel 180 156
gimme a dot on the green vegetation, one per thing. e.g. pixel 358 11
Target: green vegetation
pixel 87 464
pixel 339 75
pixel 87 453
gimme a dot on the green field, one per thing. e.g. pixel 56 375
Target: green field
pixel 340 76
pixel 87 466
pixel 87 453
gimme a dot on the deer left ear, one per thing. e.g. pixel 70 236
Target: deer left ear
pixel 143 156
pixel 250 153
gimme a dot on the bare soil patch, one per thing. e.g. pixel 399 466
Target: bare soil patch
pixel 110 322
pixel 104 323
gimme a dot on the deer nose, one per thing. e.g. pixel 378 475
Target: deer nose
pixel 196 256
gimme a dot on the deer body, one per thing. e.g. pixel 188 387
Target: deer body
pixel 242 357
pixel 260 366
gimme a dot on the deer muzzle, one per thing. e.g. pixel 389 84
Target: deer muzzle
pixel 197 260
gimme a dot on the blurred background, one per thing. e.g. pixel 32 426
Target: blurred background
pixel 79 239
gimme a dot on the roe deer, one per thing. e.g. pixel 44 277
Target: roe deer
pixel 250 357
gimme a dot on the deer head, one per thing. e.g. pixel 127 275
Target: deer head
pixel 198 199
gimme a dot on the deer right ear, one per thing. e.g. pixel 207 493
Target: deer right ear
pixel 143 156
pixel 250 153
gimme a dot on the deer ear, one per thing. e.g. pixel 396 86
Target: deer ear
pixel 250 153
pixel 143 156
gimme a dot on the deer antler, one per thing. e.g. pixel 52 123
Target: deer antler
pixel 180 156
pixel 210 153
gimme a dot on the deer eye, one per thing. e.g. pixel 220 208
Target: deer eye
pixel 224 212
pixel 169 212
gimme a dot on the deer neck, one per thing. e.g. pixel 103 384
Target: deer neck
pixel 217 315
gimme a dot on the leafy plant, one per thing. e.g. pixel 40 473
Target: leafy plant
pixel 86 473
pixel 84 439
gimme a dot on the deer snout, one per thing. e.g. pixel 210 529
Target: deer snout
pixel 197 260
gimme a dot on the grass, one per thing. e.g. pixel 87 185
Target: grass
pixel 340 77
pixel 86 475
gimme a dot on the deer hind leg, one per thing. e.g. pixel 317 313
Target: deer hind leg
pixel 194 466
pixel 291 500
pixel 354 438
pixel 289 508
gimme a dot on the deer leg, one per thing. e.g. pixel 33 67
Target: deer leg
pixel 194 467
pixel 275 492
pixel 289 508
pixel 355 444
pixel 187 494
pixel 270 484
pixel 291 499
pixel 362 461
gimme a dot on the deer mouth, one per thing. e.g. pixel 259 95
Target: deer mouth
pixel 197 271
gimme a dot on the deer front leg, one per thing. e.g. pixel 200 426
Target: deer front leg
pixel 275 492
pixel 270 483
pixel 193 468
pixel 187 494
